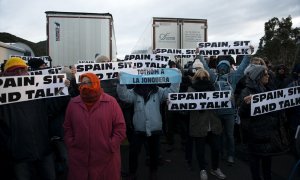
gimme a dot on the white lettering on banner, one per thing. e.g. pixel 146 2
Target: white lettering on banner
pixel 224 48
pixel 275 100
pixel 25 88
pixel 199 100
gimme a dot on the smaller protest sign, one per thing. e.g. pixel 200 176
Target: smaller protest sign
pixel 275 100
pixel 199 100
pixel 224 48
pixel 150 76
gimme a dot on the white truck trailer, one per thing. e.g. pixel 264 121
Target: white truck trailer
pixel 74 36
pixel 173 33
pixel 6 50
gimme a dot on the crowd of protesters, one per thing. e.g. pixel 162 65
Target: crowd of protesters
pixel 79 136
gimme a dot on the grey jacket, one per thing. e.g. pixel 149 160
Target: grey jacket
pixel 146 117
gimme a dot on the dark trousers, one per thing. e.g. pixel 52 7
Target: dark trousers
pixel 60 158
pixel 176 122
pixel 260 166
pixel 135 146
pixel 189 144
pixel 214 142
pixel 44 169
pixel 6 165
pixel 189 147
pixel 227 140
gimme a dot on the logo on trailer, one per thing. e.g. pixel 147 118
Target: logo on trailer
pixel 57 31
pixel 166 37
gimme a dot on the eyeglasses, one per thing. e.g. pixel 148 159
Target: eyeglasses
pixel 85 83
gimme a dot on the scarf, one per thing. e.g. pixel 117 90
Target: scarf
pixel 145 90
pixel 90 94
pixel 202 85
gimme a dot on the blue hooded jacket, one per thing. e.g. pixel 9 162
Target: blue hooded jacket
pixel 228 79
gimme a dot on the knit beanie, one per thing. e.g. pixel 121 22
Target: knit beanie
pixel 68 72
pixel 35 63
pixel 256 72
pixel 223 65
pixel 171 63
pixel 249 68
pixel 101 59
pixel 14 63
pixel 198 64
pixel 223 62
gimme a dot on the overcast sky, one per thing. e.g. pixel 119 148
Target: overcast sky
pixel 227 20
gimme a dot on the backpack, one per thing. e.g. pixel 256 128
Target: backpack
pixel 223 83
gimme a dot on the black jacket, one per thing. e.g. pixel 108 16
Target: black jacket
pixel 264 134
pixel 24 132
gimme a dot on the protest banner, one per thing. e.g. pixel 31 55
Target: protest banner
pixel 25 88
pixel 177 53
pixel 46 59
pixel 224 48
pixel 185 56
pixel 110 70
pixel 166 51
pixel 150 76
pixel 275 100
pixel 146 57
pixel 46 71
pixel 199 100
pixel 85 61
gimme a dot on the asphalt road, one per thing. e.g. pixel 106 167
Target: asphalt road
pixel 174 166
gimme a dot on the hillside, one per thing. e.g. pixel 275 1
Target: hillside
pixel 39 48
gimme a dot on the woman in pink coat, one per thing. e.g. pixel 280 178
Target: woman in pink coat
pixel 94 129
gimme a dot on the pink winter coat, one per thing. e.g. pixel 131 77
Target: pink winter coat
pixel 93 139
